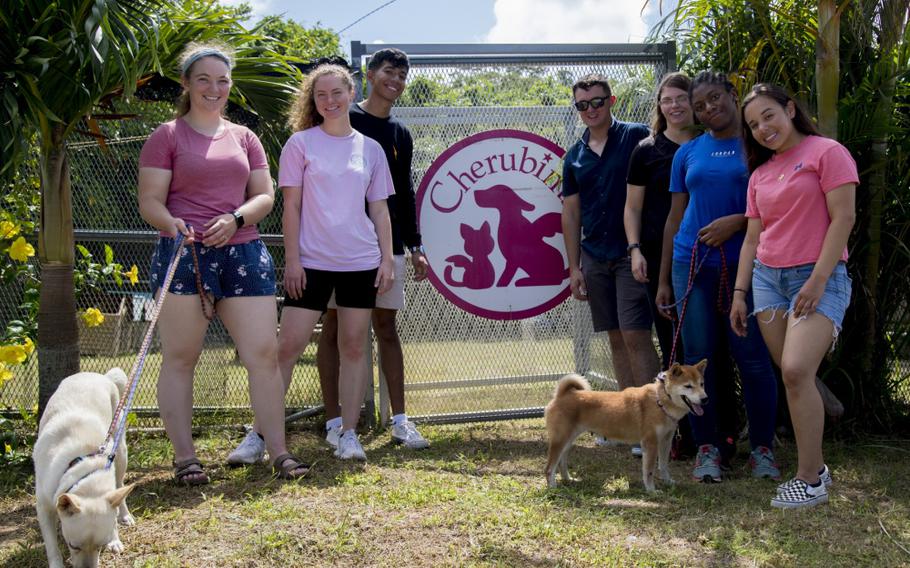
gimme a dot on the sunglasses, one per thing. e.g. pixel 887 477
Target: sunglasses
pixel 596 102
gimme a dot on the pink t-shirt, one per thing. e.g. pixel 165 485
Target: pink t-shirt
pixel 788 194
pixel 209 174
pixel 338 176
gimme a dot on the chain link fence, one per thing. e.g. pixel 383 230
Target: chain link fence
pixel 458 367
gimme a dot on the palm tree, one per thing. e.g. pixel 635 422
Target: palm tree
pixel 60 60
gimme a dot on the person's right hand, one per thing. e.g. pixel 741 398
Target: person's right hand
pixel 294 280
pixel 639 266
pixel 738 315
pixel 663 299
pixel 179 228
pixel 577 283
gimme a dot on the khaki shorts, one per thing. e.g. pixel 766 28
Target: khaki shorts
pixel 394 298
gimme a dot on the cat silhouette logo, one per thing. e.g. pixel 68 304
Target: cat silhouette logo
pixel 489 209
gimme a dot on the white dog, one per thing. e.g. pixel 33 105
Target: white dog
pixel 72 482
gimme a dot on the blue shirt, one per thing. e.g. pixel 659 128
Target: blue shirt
pixel 600 182
pixel 714 174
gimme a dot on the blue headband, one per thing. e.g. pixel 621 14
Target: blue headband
pixel 207 52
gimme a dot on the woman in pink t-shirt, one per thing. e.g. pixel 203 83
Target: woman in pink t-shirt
pixel 800 213
pixel 208 180
pixel 337 235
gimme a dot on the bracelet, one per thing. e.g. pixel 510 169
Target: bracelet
pixel 633 246
pixel 735 290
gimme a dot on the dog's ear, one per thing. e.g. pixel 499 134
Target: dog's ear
pixel 68 504
pixel 674 369
pixel 118 495
pixel 701 365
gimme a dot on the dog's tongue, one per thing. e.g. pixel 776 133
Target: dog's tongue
pixel 697 409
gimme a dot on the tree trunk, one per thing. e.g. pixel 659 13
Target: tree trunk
pixel 58 336
pixel 827 66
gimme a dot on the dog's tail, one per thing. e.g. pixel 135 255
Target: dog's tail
pixel 571 382
pixel 118 377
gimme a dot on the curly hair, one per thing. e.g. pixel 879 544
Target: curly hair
pixel 191 54
pixel 303 112
pixel 592 80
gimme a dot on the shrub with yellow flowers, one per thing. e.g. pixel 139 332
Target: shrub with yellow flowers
pixel 19 209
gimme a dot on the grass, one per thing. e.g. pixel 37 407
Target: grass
pixel 477 497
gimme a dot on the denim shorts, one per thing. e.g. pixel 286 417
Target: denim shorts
pixel 777 288
pixel 231 271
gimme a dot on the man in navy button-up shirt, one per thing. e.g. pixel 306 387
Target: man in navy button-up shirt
pixel 594 196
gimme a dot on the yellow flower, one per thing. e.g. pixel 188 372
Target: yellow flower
pixel 93 317
pixel 21 250
pixel 133 275
pixel 7 448
pixel 5 374
pixel 8 229
pixel 29 346
pixel 12 354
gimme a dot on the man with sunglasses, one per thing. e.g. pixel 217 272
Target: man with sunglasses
pixel 594 196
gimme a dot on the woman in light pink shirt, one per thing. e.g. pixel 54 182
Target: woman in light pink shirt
pixel 337 235
pixel 801 209
pixel 207 179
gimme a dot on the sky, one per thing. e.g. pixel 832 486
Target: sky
pixel 473 21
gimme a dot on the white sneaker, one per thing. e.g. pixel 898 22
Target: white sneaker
pixel 250 451
pixel 603 442
pixel 349 447
pixel 406 433
pixel 332 435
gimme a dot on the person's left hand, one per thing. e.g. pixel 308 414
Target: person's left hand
pixel 219 230
pixel 385 276
pixel 808 297
pixel 719 230
pixel 420 264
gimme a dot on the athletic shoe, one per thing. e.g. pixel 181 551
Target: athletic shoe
pixel 636 450
pixel 761 460
pixel 349 447
pixel 824 474
pixel 332 435
pixel 707 464
pixel 799 494
pixel 603 442
pixel 250 451
pixel 407 435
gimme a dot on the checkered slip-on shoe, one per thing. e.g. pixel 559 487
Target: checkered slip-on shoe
pixel 824 474
pixel 799 494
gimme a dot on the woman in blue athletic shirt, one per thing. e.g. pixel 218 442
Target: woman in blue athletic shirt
pixel 708 181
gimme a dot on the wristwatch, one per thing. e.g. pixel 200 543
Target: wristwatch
pixel 238 218
pixel 417 249
pixel 633 246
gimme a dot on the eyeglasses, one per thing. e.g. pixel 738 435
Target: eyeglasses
pixel 596 102
pixel 680 100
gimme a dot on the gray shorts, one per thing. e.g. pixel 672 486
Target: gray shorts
pixel 617 300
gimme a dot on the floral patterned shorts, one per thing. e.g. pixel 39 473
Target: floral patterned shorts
pixel 231 271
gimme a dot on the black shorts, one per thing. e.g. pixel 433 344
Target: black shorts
pixel 354 289
pixel 617 300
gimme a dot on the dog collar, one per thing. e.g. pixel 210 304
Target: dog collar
pixel 661 377
pixel 76 462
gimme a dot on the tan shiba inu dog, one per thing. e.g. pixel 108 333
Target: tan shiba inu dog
pixel 71 480
pixel 647 415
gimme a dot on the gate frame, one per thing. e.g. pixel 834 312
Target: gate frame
pixel 457 54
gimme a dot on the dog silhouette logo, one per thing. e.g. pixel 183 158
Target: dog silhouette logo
pixel 489 209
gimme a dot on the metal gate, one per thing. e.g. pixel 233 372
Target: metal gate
pixel 460 367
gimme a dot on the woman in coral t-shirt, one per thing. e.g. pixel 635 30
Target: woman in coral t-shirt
pixel 801 211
